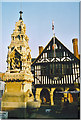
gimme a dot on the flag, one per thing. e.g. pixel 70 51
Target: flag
pixel 52 25
pixel 54 46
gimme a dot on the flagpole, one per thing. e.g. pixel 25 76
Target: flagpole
pixel 53 37
pixel 54 44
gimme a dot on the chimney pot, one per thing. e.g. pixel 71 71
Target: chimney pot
pixel 40 49
pixel 75 47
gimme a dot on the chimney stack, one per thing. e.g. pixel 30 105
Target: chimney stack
pixel 75 47
pixel 40 49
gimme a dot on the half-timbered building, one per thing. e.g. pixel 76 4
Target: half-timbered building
pixel 51 71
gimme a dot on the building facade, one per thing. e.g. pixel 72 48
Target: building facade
pixel 58 75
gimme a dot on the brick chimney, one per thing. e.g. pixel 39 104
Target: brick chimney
pixel 40 49
pixel 75 47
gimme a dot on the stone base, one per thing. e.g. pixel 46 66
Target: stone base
pixel 7 106
pixel 11 101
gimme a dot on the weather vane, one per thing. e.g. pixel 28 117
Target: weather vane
pixel 20 11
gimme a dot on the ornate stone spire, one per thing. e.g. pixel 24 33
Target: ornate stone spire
pixel 19 53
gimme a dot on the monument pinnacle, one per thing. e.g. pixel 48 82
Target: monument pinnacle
pixel 20 15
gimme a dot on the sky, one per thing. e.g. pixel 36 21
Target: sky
pixel 38 18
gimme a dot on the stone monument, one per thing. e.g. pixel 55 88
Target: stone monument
pixel 18 77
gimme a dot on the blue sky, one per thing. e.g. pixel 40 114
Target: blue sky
pixel 38 18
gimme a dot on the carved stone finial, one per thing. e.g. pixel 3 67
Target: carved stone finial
pixel 20 15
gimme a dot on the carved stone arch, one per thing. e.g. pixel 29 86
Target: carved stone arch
pixel 58 95
pixel 45 88
pixel 59 88
pixel 15 57
pixel 45 96
pixel 73 95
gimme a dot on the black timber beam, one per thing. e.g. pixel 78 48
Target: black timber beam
pixel 55 85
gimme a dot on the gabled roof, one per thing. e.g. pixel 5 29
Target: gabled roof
pixel 60 44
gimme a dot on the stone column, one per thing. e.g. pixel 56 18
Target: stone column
pixel 9 65
pixel 66 94
pixel 37 94
pixel 51 96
